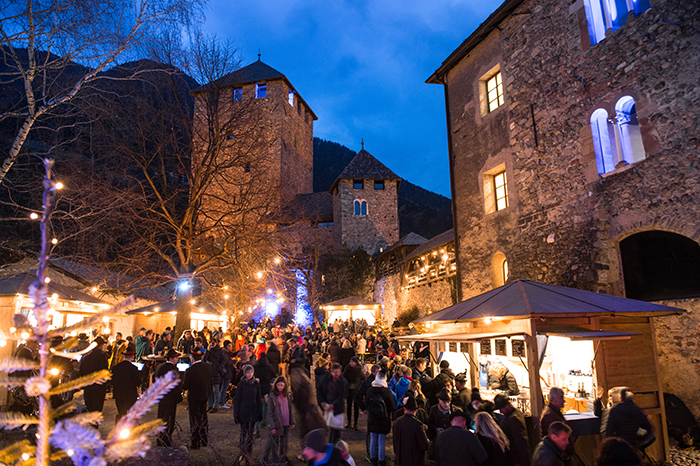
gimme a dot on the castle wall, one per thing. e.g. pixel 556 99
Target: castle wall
pixel 379 228
pixel 564 222
pixel 395 299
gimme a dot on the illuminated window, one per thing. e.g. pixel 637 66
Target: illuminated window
pixel 602 15
pixel 360 207
pixel 290 98
pixel 260 90
pixel 494 91
pixel 237 94
pixel 358 184
pixel 499 269
pixel 501 190
pixel 378 184
pixel 617 141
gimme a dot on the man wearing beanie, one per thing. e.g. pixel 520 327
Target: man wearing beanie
pixel 380 406
pixel 410 441
pixel 317 452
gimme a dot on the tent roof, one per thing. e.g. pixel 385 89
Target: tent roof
pixel 171 306
pixel 20 284
pixel 352 301
pixel 526 298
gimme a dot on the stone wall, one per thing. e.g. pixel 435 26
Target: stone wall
pixel 564 222
pixel 428 298
pixel 379 228
pixel 678 342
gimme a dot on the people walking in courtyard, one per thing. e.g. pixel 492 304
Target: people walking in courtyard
pixel 280 420
pixel 247 410
pixel 198 385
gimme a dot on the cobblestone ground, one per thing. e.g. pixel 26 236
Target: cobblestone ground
pixel 685 457
pixel 224 435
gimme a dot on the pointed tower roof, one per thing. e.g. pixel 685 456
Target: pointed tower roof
pixel 253 73
pixel 365 166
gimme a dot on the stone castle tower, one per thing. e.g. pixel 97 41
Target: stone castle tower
pixel 365 205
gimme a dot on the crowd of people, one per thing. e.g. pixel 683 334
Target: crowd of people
pixel 318 379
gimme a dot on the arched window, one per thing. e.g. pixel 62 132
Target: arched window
pixel 499 269
pixel 630 135
pixel 604 145
pixel 360 207
pixel 602 15
pixel 617 140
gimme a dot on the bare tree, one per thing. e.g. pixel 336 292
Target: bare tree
pixel 52 50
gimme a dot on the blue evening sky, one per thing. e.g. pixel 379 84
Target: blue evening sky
pixel 361 65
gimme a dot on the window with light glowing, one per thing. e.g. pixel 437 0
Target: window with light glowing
pixel 237 94
pixel 604 15
pixel 617 141
pixel 290 98
pixel 260 90
pixel 494 90
pixel 501 190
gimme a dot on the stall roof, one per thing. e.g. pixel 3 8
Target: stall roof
pixel 171 306
pixel 527 298
pixel 20 284
pixel 591 334
pixel 456 336
pixel 352 301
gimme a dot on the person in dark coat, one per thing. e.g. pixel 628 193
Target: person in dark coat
pixel 198 385
pixel 215 356
pixel 229 372
pixel 513 426
pixel 461 399
pixel 126 379
pixel 552 413
pixel 323 366
pixel 332 395
pixel 308 415
pixel 164 343
pixel 626 419
pixel 247 410
pixel 319 453
pixel 354 375
pixel 492 439
pixel 457 446
pixel 410 441
pixel 439 415
pixel 432 388
pixel 274 357
pixel 334 350
pixel 347 352
pixel 167 407
pixel 265 373
pixel 552 450
pixel 279 420
pixel 380 406
pixel 94 361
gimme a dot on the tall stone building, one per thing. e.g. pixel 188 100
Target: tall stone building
pixel 573 130
pixel 365 205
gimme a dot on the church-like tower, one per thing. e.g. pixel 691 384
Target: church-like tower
pixel 365 205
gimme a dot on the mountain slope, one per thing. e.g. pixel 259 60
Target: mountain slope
pixel 420 211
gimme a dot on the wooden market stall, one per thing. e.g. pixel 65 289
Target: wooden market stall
pixel 548 335
pixel 159 316
pixel 352 308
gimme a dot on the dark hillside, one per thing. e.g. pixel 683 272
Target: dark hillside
pixel 420 211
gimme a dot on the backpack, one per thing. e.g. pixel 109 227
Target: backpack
pixel 376 407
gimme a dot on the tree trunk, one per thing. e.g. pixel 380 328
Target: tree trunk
pixel 183 320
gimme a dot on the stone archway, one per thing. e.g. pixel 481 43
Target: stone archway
pixel 660 265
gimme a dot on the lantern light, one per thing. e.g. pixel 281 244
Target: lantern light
pixel 34 216
pixel 59 185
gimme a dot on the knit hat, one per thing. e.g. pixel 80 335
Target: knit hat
pixel 322 362
pixel 248 368
pixel 316 440
pixel 444 364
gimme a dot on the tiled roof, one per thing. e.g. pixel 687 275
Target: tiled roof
pixel 411 239
pixel 438 240
pixel 350 302
pixel 365 165
pixel 10 285
pixel 311 206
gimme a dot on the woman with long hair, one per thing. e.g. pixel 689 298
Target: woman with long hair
pixel 492 438
pixel 280 419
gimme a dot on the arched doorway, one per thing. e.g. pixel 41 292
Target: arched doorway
pixel 659 265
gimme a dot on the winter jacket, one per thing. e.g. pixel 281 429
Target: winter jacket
pixel 142 347
pixel 265 373
pixel 507 383
pixel 410 441
pixel 229 369
pixel 333 392
pixel 438 419
pixel 496 456
pixel 400 389
pixel 334 351
pixel 513 426
pixel 375 423
pixel 247 403
pixel 624 420
pixel 215 356
pixel 547 453
pixel 458 447
pixel 553 414
pixel 274 416
pixel 274 357
pixel 333 458
pixel 345 355
pixel 354 376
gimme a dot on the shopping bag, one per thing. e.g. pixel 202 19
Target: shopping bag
pixel 334 421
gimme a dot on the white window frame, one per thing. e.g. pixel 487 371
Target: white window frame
pixel 260 90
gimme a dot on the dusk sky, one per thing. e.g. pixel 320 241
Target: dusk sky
pixel 361 65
